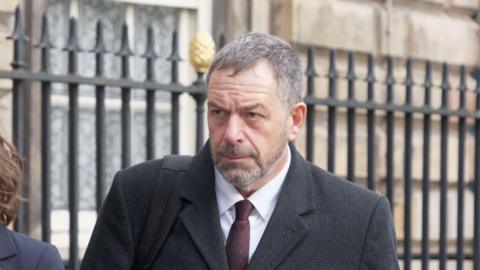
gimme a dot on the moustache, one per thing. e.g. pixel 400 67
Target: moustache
pixel 235 150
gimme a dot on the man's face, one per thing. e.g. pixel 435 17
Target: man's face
pixel 248 124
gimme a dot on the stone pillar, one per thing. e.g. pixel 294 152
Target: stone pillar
pixel 6 46
pixel 33 11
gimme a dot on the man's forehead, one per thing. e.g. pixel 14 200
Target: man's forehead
pixel 261 69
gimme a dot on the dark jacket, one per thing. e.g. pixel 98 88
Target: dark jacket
pixel 19 252
pixel 319 222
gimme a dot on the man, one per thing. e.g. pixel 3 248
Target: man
pixel 249 199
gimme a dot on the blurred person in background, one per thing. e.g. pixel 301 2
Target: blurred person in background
pixel 18 251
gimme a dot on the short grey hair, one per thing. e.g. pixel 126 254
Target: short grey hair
pixel 244 52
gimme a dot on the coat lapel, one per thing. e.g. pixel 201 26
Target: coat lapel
pixel 286 227
pixel 200 216
pixel 8 248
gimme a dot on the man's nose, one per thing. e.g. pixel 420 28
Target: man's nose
pixel 234 131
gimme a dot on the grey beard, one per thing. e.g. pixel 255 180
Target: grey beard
pixel 243 178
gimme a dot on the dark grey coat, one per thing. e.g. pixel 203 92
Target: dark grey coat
pixel 320 222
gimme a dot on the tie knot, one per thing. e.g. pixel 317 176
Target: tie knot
pixel 243 209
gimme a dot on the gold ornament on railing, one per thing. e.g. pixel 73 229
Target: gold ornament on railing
pixel 201 51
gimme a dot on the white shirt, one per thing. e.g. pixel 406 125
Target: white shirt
pixel 263 200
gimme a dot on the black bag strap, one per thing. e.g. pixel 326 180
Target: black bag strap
pixel 163 210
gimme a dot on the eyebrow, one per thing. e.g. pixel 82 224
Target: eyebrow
pixel 247 107
pixel 213 104
pixel 254 106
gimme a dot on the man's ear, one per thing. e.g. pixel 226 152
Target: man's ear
pixel 297 116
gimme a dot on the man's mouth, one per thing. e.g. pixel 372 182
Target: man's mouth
pixel 233 157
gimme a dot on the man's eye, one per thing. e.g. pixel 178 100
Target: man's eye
pixel 253 115
pixel 217 112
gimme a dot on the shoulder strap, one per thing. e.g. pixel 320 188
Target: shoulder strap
pixel 163 210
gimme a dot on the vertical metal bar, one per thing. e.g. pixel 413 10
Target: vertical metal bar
pixel 461 170
pixel 390 81
pixel 150 56
pixel 200 98
pixel 126 128
pixel 175 58
pixel 443 171
pixel 222 41
pixel 311 74
pixel 476 224
pixel 18 95
pixel 249 18
pixel 332 118
pixel 124 54
pixel 72 48
pixel 351 119
pixel 150 129
pixel 426 170
pixel 370 124
pixel 99 51
pixel 408 169
pixel 45 45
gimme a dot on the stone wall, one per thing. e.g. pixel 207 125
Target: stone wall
pixel 434 30
pixel 6 24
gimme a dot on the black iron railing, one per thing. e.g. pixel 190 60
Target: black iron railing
pixel 390 110
pixel 19 75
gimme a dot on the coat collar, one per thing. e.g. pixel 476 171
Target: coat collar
pixel 8 248
pixel 200 215
pixel 284 230
pixel 286 227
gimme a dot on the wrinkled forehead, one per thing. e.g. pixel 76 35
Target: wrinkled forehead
pixel 232 69
pixel 261 73
pixel 255 82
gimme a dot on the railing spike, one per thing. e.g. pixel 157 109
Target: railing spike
pixel 150 48
pixel 45 42
pixel 351 67
pixel 370 77
pixel 428 75
pixel 99 41
pixel 390 79
pixel 476 75
pixel 462 86
pixel 463 78
pixel 310 71
pixel 19 40
pixel 222 41
pixel 18 34
pixel 445 86
pixel 409 77
pixel 409 81
pixel 174 56
pixel 72 41
pixel 428 83
pixel 445 83
pixel 125 47
pixel 370 69
pixel 332 72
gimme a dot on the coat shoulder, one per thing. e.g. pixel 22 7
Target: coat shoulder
pixel 343 192
pixel 33 252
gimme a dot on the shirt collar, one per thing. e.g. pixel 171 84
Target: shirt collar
pixel 264 199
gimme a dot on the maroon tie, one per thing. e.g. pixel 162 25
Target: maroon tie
pixel 238 240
